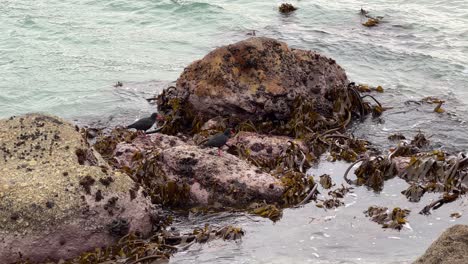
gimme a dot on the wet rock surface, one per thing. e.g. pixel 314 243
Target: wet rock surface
pixel 180 174
pixel 256 79
pixel 451 247
pixel 267 150
pixel 58 197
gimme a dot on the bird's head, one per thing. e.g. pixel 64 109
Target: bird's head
pixel 228 132
pixel 156 116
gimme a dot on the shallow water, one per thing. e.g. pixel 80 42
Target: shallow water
pixel 344 235
pixel 63 57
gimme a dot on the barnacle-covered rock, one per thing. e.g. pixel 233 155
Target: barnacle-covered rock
pixel 58 197
pixel 126 153
pixel 258 79
pixel 451 247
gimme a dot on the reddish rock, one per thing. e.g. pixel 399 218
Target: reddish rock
pixel 209 178
pixel 256 79
pixel 266 147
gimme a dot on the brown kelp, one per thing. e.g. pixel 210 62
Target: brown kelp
pixel 394 219
pixel 425 171
pixel 286 8
pixel 371 20
pixel 133 249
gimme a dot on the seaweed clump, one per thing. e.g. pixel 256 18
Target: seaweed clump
pixel 431 171
pixel 371 20
pixel 106 144
pixel 297 186
pixel 286 8
pixel 394 219
pixel 179 115
pixel 373 173
pixel 268 211
pixel 148 173
pixel 160 247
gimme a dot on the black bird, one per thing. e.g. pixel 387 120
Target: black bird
pixel 218 140
pixel 147 122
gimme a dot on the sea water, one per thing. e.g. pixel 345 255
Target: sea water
pixel 64 57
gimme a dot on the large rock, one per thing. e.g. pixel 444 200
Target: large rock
pixel 450 248
pixel 58 198
pixel 177 173
pixel 256 79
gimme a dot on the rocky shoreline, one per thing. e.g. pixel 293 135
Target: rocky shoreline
pixel 66 191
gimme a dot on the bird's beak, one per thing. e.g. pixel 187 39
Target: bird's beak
pixel 160 117
pixel 233 132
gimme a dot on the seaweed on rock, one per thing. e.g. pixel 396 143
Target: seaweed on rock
pixel 106 144
pixel 157 185
pixel 267 211
pixel 161 246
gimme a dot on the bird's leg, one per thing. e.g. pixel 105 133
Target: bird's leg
pixel 141 133
pixel 219 152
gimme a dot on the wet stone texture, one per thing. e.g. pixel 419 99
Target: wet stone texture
pixel 57 196
pixel 265 148
pixel 255 79
pixel 451 247
pixel 183 175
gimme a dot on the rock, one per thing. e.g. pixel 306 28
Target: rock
pixel 58 198
pixel 255 79
pixel 451 247
pixel 219 179
pixel 124 152
pixel 267 148
pixel 184 175
pixel 216 123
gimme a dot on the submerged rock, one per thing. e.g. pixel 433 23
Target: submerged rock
pixel 178 174
pixel 451 247
pixel 255 79
pixel 58 197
